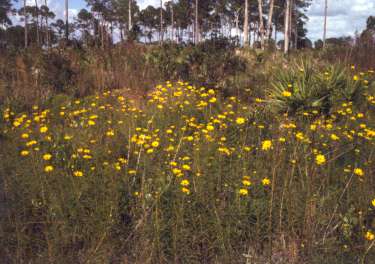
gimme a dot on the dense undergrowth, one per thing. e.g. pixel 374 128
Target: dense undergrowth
pixel 253 158
pixel 35 75
pixel 189 176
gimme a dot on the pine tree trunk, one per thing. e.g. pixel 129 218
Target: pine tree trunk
pixel 290 23
pixel 286 27
pixel 130 15
pixel 325 23
pixel 26 31
pixel 246 24
pixel 269 25
pixel 254 33
pixel 47 26
pixel 37 22
pixel 261 25
pixel 66 20
pixel 102 33
pixel 172 22
pixel 275 35
pixel 197 38
pixel 161 23
pixel 294 11
pixel 121 32
pixel 249 36
pixel 237 26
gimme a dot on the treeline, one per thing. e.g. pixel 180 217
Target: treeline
pixel 251 22
pixel 104 22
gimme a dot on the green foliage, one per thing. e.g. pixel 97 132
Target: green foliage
pixel 307 85
pixel 211 63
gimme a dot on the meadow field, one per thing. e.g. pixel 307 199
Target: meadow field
pixel 187 132
pixel 187 174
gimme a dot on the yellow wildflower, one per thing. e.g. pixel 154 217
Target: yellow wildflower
pixel 67 137
pixel 240 120
pixel 78 173
pixel 43 129
pixel 185 183
pixel 334 137
pixel 246 182
pixel 25 153
pixel 358 171
pixel 320 159
pixel 266 144
pixel 266 182
pixel 177 172
pixel 155 144
pixel 47 156
pixel 110 133
pixel 369 236
pixel 185 190
pixel 210 127
pixel 243 192
pixel 48 168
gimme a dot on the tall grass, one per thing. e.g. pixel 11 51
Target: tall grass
pixel 187 177
pixel 35 76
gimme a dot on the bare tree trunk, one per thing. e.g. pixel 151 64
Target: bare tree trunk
pixel 42 41
pixel 197 36
pixel 286 27
pixel 111 36
pixel 102 33
pixel 295 29
pixel 249 35
pixel 269 24
pixel 290 23
pixel 67 20
pixel 237 25
pixel 161 23
pixel 172 22
pixel 254 33
pixel 37 22
pixel 293 12
pixel 246 24
pixel 325 23
pixel 275 35
pixel 121 32
pixel 47 26
pixel 130 26
pixel 25 14
pixel 261 25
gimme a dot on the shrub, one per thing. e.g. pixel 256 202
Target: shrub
pixel 210 63
pixel 307 85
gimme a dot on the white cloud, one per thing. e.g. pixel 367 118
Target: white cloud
pixel 56 6
pixel 145 3
pixel 345 17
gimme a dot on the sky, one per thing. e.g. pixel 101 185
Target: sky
pixel 345 17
